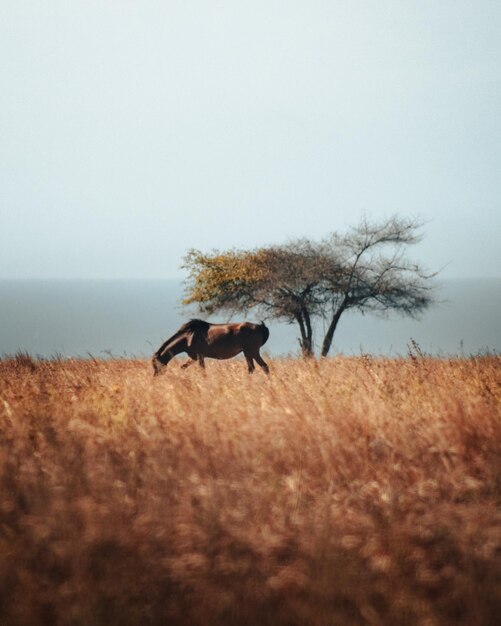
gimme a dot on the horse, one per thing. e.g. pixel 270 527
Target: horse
pixel 200 339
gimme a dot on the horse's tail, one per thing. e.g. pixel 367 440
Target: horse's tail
pixel 264 332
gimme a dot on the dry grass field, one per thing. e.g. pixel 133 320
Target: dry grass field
pixel 346 492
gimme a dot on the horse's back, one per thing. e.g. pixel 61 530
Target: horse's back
pixel 227 340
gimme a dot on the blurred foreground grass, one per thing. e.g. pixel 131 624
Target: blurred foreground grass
pixel 350 491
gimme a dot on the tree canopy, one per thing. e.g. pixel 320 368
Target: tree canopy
pixel 364 269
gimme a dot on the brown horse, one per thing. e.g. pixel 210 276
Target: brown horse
pixel 201 339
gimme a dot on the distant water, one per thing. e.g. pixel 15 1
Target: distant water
pixel 132 318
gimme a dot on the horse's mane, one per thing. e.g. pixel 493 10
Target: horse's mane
pixel 195 324
pixel 192 326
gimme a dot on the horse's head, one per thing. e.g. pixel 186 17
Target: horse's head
pixel 158 366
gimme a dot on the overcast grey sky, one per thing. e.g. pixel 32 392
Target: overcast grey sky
pixel 132 130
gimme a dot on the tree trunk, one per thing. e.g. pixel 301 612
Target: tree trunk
pixel 326 344
pixel 308 352
pixel 306 334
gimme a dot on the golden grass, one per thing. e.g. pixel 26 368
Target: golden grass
pixel 351 491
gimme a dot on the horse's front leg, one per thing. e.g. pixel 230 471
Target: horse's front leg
pixel 201 361
pixel 188 363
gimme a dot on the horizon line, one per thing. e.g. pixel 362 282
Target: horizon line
pixel 181 278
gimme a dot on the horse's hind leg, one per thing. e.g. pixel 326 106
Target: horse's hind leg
pixel 201 361
pixel 250 363
pixel 261 362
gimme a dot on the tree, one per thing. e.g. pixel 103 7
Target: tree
pixel 303 279
pixel 361 277
pixel 282 282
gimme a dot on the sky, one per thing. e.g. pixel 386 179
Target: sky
pixel 134 130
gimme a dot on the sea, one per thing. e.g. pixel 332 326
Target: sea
pixel 131 318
